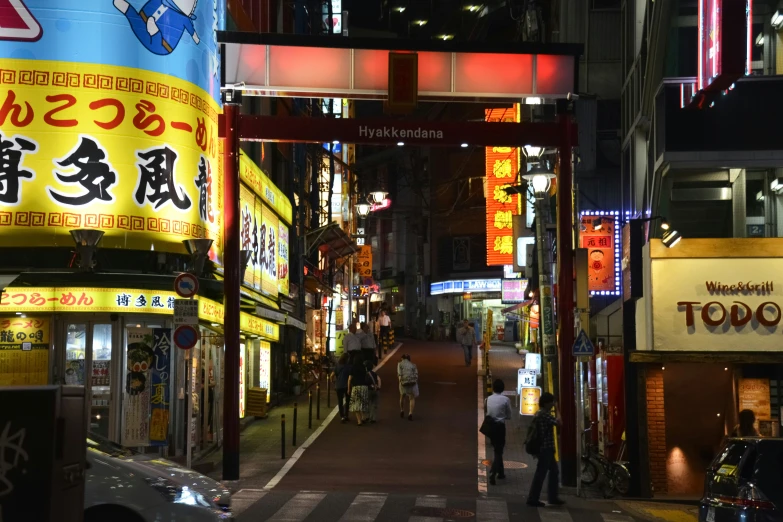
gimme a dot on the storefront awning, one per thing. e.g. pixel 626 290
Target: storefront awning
pixel 332 239
pixel 296 323
pixel 516 307
pixel 314 285
pixel 272 315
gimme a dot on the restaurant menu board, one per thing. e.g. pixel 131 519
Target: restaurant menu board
pixel 264 367
pixel 100 373
pixel 754 396
pixel 24 351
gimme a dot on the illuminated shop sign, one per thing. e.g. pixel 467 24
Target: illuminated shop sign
pixel 599 233
pixel 502 168
pixel 468 285
pixel 123 141
pixel 514 291
pixel 724 42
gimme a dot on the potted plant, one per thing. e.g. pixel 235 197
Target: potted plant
pixel 297 385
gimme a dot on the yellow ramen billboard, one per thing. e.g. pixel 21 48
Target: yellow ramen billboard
pixel 130 152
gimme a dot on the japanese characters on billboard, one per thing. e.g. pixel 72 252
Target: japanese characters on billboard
pixel 599 233
pixel 108 120
pixel 502 167
pixel 266 214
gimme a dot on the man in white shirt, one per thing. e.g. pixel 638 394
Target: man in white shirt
pixel 351 341
pixel 385 321
pixel 499 409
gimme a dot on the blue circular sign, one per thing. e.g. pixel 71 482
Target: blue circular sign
pixel 185 337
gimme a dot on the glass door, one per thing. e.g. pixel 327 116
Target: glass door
pixel 88 359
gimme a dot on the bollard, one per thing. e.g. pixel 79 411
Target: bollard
pixel 310 410
pixel 282 436
pixel 318 401
pixel 294 427
pixel 328 392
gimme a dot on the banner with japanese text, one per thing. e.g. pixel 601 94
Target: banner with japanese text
pixel 502 168
pixel 128 152
pixel 268 249
pixel 147 387
pixel 24 351
pixel 282 259
pixel 64 299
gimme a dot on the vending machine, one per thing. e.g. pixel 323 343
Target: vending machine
pixel 610 395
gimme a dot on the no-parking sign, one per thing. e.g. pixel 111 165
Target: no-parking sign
pixel 185 337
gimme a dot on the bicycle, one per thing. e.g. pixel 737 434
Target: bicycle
pixel 615 474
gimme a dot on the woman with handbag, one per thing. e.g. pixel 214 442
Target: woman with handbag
pixel 357 388
pixel 408 374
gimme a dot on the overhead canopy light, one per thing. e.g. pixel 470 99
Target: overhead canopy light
pixel 399 9
pixel 777 20
pixel 760 39
pixel 420 22
pixel 670 238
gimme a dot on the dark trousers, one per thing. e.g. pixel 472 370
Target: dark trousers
pixel 368 354
pixel 342 401
pixel 379 346
pixel 385 336
pixel 468 349
pixel 546 464
pixel 498 443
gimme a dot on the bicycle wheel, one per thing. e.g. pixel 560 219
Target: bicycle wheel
pixel 589 472
pixel 622 478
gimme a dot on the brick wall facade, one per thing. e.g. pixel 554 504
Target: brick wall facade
pixel 656 429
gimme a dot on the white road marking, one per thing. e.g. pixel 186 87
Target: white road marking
pixel 298 508
pixel 430 501
pixel 549 514
pixel 301 449
pixel 364 508
pixel 244 498
pixel 491 510
pixel 614 517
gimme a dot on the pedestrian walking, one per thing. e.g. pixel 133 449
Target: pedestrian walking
pixel 352 342
pixel 408 375
pixel 544 424
pixel 499 409
pixel 368 344
pixel 376 328
pixel 339 377
pixel 357 387
pixel 374 386
pixel 466 336
pixel 746 426
pixel 385 321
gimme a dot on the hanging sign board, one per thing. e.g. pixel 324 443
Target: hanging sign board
pixel 533 362
pixel 528 400
pixel 525 378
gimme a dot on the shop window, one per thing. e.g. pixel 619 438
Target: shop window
pixel 75 351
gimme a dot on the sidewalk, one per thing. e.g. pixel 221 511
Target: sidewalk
pixel 260 441
pixel 504 362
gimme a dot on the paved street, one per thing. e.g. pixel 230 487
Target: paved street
pixel 428 470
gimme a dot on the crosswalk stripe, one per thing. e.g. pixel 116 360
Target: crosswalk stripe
pixel 430 501
pixel 614 517
pixel 297 509
pixel 244 498
pixel 364 508
pixel 554 515
pixel 491 510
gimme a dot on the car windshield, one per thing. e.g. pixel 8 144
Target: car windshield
pixel 96 442
pixel 727 461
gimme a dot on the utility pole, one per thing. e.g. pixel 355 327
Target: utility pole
pixel 546 300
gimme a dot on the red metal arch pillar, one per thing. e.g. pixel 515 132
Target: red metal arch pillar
pixel 231 283
pixel 565 299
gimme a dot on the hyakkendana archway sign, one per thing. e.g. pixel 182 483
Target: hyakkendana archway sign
pixel 342 67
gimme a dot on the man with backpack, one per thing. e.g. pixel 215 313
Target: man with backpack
pixel 540 442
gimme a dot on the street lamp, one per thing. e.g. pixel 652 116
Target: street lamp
pixel 363 209
pixel 541 179
pixel 377 196
pixel 670 236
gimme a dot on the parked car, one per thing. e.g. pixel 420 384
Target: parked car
pixel 745 482
pixel 123 485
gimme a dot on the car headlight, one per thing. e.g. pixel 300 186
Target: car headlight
pixel 178 494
